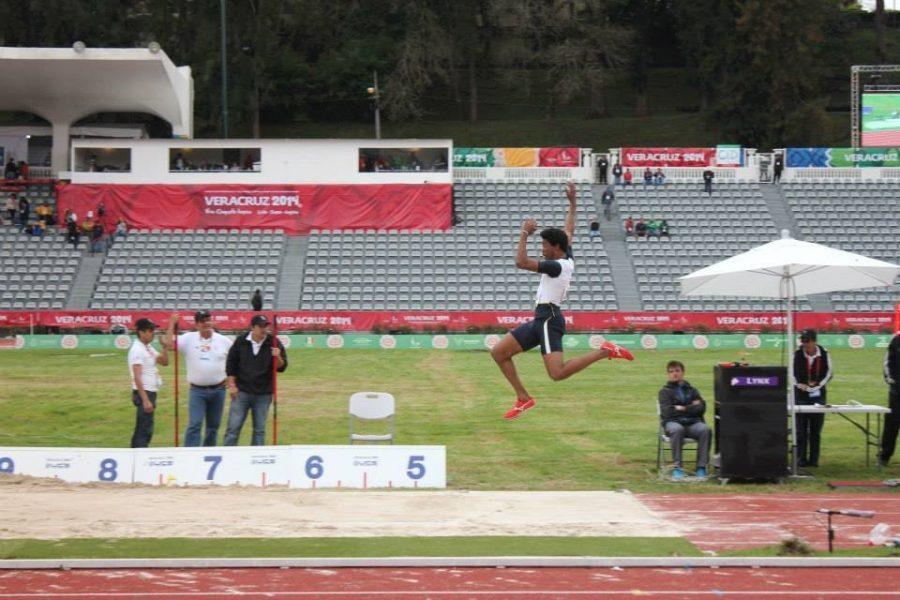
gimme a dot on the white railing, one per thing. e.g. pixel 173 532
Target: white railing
pixel 524 173
pixel 850 174
pixel 39 172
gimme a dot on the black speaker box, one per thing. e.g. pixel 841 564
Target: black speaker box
pixel 751 422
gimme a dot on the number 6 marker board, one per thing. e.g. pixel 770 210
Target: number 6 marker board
pixel 368 466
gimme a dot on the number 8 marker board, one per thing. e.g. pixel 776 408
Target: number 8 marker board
pixel 297 466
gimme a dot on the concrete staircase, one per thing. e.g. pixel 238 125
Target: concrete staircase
pixel 621 266
pixel 784 219
pixel 85 281
pixel 290 279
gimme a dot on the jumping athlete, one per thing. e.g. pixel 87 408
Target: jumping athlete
pixel 548 326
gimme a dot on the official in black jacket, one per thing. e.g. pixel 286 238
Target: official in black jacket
pixel 892 420
pixel 812 371
pixel 249 371
pixel 681 410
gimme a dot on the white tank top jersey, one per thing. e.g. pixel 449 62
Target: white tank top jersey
pixel 553 290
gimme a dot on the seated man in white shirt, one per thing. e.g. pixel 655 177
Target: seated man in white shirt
pixel 204 351
pixel 548 326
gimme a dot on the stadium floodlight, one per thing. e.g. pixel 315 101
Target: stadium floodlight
pixel 79 47
pixel 846 512
pixel 154 47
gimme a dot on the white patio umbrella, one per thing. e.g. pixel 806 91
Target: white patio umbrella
pixel 786 269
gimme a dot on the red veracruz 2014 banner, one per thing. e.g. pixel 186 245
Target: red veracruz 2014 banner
pixel 361 321
pixel 668 157
pixel 293 208
pixel 559 157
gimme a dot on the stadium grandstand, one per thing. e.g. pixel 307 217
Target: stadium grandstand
pixel 458 269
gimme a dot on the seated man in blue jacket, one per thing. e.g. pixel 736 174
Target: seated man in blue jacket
pixel 681 410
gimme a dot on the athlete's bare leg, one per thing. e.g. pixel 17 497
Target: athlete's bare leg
pixel 559 369
pixel 502 354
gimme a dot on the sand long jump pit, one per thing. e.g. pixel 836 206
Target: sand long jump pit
pixel 51 509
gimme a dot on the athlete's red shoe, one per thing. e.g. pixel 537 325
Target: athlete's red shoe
pixel 521 406
pixel 616 351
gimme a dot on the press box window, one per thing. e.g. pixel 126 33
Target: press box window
pixel 214 159
pixel 432 160
pixel 99 160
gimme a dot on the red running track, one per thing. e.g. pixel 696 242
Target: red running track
pixel 435 583
pixel 725 522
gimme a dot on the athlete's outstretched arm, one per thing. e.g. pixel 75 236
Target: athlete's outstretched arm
pixel 571 195
pixel 523 261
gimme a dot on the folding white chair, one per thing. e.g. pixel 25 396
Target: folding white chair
pixel 664 444
pixel 372 406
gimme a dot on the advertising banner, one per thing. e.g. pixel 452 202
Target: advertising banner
pixel 799 158
pixel 467 341
pixel 518 157
pixel 366 321
pixel 729 155
pixel 559 157
pixel 668 157
pixel 473 157
pixel 293 208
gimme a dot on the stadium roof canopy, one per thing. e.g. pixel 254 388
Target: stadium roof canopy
pixel 64 85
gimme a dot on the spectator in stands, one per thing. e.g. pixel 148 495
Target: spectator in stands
pixel 681 410
pixel 121 229
pixel 602 168
pixel 11 171
pixel 595 229
pixel 629 226
pixel 777 167
pixel 664 228
pixel 37 229
pixel 23 169
pixel 98 242
pixel 640 230
pixel 10 207
pixel 73 234
pixel 45 213
pixel 178 164
pixel 606 200
pixel 628 176
pixel 101 212
pixel 653 229
pixel 250 379
pixel 145 380
pixel 24 209
pixel 659 177
pixel 204 351
pixel 812 371
pixel 648 176
pixel 248 162
pixel 617 173
pixel 708 177
pixel 256 300
pixel 892 420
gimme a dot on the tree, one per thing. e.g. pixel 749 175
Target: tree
pixel 771 92
pixel 423 58
pixel 880 47
pixel 590 51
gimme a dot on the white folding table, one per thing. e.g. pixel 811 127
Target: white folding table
pixel 846 410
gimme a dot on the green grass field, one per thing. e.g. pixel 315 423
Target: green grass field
pixel 348 546
pixel 596 430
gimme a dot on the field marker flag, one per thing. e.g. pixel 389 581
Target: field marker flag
pixel 274 382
